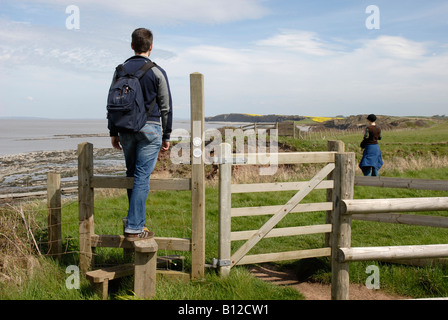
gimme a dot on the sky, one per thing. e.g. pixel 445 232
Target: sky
pixel 289 57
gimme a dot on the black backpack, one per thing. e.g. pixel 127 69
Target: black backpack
pixel 126 110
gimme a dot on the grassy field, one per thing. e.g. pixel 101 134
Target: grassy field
pixel 415 153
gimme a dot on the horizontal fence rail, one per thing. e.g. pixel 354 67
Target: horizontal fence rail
pixel 281 256
pixel 389 205
pixel 283 232
pixel 271 210
pixel 393 253
pixel 387 182
pixel 277 186
pixel 381 210
pixel 282 158
pixel 408 219
pixel 128 183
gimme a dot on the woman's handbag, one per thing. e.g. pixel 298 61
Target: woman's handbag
pixel 363 144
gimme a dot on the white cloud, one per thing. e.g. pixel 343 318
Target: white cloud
pixel 395 47
pixel 300 42
pixel 385 75
pixel 291 72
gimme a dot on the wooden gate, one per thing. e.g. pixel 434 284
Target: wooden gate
pixel 321 180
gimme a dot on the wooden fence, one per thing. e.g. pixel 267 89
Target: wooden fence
pixel 284 128
pixel 226 260
pixel 380 210
pixel 87 182
pixel 337 176
pixel 339 171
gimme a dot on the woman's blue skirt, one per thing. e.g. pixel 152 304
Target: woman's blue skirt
pixel 372 157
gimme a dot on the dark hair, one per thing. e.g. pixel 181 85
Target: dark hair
pixel 141 40
pixel 371 117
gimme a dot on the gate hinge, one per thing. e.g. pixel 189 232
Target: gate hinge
pixel 221 263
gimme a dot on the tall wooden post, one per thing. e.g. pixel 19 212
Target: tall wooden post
pixel 197 175
pixel 86 205
pixel 225 204
pixel 344 181
pixel 337 146
pixel 54 214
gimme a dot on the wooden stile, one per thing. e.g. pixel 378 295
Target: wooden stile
pixel 87 181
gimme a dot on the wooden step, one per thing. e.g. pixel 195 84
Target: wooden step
pixel 110 273
pixel 100 278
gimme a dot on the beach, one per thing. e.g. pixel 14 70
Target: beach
pixel 27 172
pixel 31 148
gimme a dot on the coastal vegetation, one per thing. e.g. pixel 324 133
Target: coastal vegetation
pixel 410 150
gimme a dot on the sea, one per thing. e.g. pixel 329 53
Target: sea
pixel 28 135
pixel 23 167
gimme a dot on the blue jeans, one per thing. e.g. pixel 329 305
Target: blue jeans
pixel 370 171
pixel 140 152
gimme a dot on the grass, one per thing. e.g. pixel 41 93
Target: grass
pixel 403 150
pixel 170 216
pixel 50 284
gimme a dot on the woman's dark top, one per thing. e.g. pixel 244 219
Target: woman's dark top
pixel 372 134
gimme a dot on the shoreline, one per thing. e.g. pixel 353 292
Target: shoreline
pixel 27 172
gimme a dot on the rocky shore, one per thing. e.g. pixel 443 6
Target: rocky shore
pixel 27 172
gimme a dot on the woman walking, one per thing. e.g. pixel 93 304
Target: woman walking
pixel 371 161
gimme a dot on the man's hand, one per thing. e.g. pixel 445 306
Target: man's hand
pixel 116 142
pixel 165 146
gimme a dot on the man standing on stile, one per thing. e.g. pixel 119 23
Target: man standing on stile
pixel 141 149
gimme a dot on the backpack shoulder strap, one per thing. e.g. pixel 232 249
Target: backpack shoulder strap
pixel 145 68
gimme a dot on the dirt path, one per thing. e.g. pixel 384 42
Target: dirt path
pixel 318 291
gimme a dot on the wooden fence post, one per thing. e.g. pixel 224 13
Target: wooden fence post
pixel 145 268
pixel 54 214
pixel 225 206
pixel 337 146
pixel 197 176
pixel 344 177
pixel 86 205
